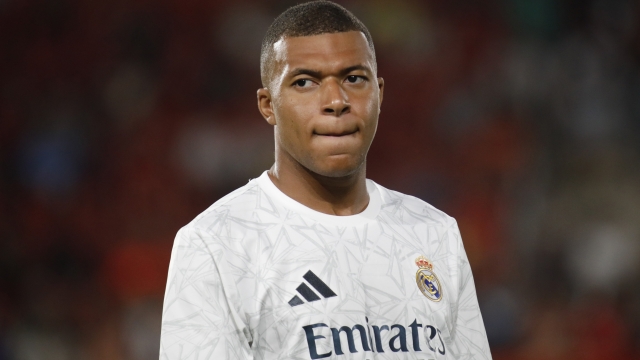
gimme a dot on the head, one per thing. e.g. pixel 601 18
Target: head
pixel 320 88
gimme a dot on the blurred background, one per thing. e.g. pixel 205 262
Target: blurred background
pixel 122 120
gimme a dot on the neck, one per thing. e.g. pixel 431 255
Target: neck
pixel 346 195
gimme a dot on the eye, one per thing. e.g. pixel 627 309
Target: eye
pixel 303 83
pixel 354 79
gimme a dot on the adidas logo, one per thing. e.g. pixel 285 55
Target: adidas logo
pixel 305 291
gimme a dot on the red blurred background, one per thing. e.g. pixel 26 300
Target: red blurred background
pixel 122 120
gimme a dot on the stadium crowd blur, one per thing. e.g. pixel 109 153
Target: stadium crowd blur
pixel 121 120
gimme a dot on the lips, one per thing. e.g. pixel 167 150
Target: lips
pixel 335 130
pixel 335 133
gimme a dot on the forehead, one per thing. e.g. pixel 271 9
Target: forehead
pixel 323 52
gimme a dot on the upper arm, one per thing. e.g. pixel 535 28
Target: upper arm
pixel 468 336
pixel 200 319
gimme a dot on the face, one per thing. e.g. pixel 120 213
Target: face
pixel 324 100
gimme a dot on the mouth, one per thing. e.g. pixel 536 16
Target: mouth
pixel 335 133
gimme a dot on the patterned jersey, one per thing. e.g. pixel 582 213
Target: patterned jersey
pixel 260 276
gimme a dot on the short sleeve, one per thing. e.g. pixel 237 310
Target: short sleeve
pixel 469 336
pixel 200 318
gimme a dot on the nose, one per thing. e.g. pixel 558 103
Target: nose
pixel 336 100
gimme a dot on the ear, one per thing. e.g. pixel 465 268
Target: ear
pixel 381 92
pixel 265 106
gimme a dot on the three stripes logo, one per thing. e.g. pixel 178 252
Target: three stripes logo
pixel 305 291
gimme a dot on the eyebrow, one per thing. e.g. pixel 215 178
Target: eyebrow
pixel 318 74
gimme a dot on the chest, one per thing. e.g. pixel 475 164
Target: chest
pixel 351 291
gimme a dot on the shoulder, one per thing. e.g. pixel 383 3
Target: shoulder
pixel 235 207
pixel 410 209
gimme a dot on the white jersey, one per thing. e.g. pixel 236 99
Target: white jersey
pixel 261 276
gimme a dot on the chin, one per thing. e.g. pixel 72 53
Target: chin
pixel 337 168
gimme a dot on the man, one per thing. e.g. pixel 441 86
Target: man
pixel 311 260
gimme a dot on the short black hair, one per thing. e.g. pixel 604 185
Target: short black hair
pixel 307 19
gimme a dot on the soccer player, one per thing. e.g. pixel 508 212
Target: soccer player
pixel 311 260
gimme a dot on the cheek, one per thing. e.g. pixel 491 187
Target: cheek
pixel 374 104
pixel 369 111
pixel 292 120
pixel 295 117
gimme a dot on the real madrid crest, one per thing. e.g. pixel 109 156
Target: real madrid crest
pixel 427 280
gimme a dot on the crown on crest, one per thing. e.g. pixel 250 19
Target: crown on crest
pixel 424 263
